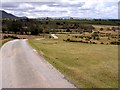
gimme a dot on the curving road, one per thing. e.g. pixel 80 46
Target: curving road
pixel 23 67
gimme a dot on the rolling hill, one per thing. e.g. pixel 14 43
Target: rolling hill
pixel 4 15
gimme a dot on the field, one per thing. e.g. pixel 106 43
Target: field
pixel 85 65
pixel 7 37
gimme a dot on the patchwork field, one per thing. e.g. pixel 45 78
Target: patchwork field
pixel 86 65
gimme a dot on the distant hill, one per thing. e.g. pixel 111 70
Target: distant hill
pixel 7 15
pixel 4 15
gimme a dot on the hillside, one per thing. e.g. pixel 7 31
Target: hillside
pixel 4 15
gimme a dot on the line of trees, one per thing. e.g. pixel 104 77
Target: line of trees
pixel 21 27
pixel 36 27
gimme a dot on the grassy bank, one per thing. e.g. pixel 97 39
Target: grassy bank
pixel 3 41
pixel 87 66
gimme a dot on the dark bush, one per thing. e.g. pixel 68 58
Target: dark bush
pixel 76 36
pixel 101 43
pixel 115 43
pixel 68 39
pixel 94 42
pixel 14 37
pixel 90 42
pixel 50 37
pixel 4 37
pixel 101 29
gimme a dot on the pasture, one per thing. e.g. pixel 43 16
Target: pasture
pixel 85 65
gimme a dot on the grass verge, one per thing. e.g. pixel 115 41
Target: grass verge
pixel 87 66
pixel 3 41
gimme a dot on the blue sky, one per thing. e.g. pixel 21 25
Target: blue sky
pixel 104 9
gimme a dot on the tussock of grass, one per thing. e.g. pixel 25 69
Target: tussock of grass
pixel 86 65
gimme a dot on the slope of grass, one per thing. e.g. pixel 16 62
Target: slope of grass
pixel 87 66
pixel 3 41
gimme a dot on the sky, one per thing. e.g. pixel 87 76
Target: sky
pixel 86 9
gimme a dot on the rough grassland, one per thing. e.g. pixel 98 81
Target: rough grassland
pixel 2 41
pixel 86 65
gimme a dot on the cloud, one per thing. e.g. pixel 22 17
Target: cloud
pixel 60 8
pixel 9 5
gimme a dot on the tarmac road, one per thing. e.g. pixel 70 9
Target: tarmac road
pixel 23 67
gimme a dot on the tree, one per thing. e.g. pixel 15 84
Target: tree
pixel 15 26
pixel 40 30
pixel 34 30
pixel 4 29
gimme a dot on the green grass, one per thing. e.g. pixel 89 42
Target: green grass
pixel 92 22
pixel 86 65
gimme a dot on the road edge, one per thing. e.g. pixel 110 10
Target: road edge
pixel 64 77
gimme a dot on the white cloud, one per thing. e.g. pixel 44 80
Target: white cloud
pixel 25 6
pixel 68 1
pixel 45 7
pixel 60 8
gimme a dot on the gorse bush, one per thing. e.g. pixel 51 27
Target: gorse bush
pixel 9 36
pixel 115 43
